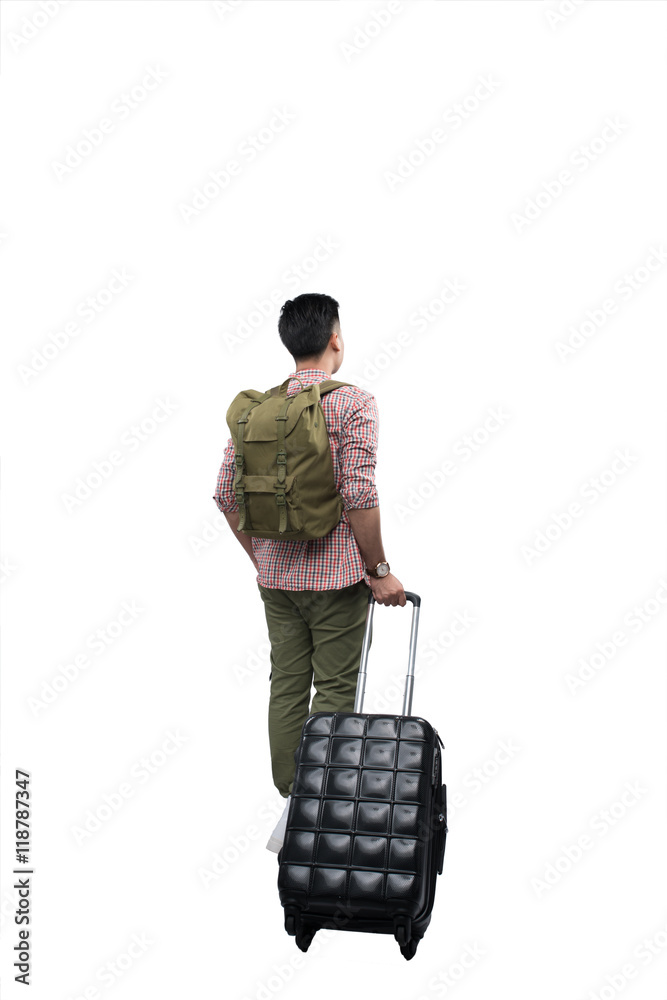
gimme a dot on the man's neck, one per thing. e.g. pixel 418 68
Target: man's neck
pixel 320 363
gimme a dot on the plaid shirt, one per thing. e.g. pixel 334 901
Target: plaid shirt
pixel 334 561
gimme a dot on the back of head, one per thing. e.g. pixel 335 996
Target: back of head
pixel 306 324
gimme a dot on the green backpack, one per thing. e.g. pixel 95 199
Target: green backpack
pixel 284 474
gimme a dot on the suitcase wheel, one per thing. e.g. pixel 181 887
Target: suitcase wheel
pixel 304 936
pixel 295 926
pixel 408 950
pixel 403 930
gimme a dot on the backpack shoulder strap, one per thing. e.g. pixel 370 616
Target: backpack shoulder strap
pixel 330 384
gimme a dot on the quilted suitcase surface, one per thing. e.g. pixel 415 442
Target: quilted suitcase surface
pixel 367 822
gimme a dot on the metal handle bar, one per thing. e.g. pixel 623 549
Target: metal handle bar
pixel 415 600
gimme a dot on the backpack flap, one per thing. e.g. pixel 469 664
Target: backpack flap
pixel 262 421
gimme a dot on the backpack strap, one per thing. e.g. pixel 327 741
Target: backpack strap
pixel 239 459
pixel 281 461
pixel 330 384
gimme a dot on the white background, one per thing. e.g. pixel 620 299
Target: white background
pixel 362 84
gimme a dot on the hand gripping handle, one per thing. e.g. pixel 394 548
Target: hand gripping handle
pixel 415 600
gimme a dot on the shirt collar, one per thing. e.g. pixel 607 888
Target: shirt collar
pixel 310 375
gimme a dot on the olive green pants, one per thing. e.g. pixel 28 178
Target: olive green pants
pixel 316 636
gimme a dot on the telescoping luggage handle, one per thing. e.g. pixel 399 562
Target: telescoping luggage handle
pixel 415 599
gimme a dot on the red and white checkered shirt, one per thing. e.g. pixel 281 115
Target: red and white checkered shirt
pixel 334 561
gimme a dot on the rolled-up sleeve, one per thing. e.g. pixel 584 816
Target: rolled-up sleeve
pixel 358 456
pixel 224 495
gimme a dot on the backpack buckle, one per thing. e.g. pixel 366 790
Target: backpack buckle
pixel 281 458
pixel 280 499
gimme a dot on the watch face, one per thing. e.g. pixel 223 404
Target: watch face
pixel 382 569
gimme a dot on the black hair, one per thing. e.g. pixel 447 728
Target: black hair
pixel 306 324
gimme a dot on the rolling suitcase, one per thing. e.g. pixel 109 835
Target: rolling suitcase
pixel 367 820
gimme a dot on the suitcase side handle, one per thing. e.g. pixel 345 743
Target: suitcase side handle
pixel 415 600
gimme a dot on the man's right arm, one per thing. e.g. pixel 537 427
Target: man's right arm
pixel 365 524
pixel 360 499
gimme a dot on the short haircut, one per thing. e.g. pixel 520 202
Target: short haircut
pixel 306 324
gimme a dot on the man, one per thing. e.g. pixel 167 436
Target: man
pixel 315 593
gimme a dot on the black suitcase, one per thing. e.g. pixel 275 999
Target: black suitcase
pixel 367 820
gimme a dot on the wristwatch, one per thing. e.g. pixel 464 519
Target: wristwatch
pixel 382 569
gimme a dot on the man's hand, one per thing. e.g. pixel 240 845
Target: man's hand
pixel 388 590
